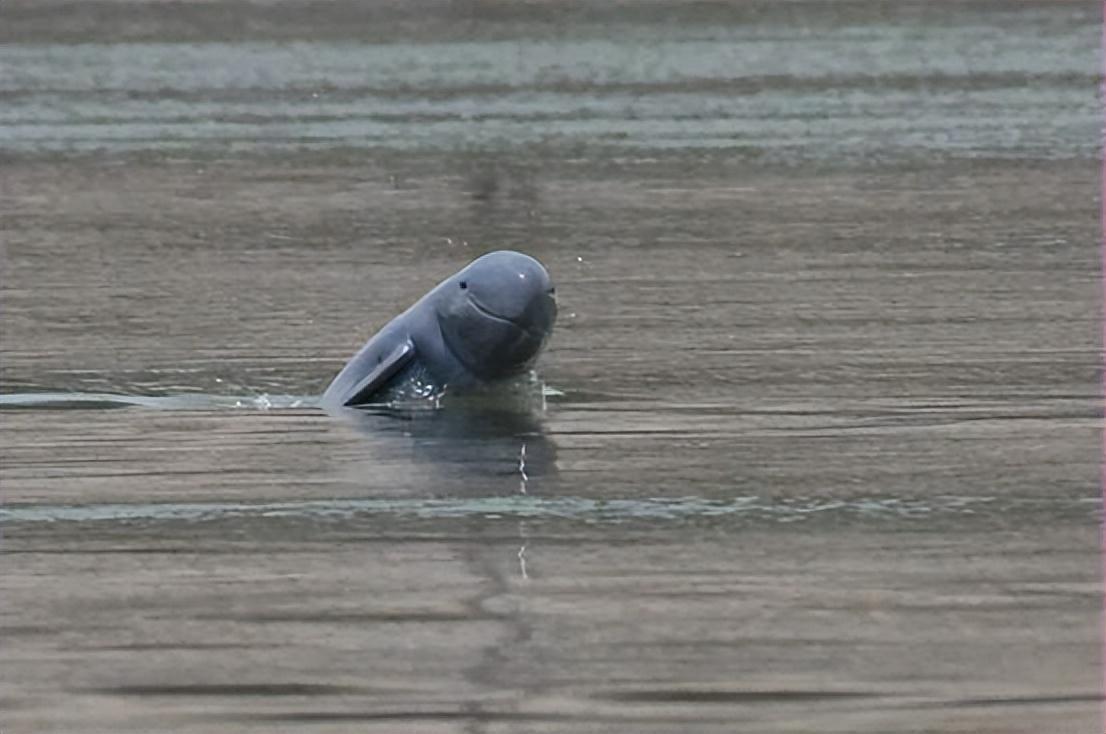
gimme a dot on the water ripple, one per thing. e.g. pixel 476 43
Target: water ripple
pixel 188 401
pixel 529 507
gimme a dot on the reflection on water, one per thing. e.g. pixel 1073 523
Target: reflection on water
pixel 824 453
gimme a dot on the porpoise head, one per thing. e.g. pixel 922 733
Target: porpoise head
pixel 496 314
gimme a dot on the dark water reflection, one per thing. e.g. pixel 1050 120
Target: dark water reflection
pixel 822 446
pixel 477 450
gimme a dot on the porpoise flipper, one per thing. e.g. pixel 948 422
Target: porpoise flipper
pixel 385 370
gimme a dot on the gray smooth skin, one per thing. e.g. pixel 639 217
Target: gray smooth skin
pixel 487 322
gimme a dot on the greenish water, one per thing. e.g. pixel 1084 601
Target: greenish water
pixel 788 85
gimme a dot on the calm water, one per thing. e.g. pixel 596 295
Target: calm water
pixel 821 442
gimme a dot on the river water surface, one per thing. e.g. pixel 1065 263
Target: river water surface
pixel 820 449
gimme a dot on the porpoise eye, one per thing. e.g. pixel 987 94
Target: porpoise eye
pixel 464 284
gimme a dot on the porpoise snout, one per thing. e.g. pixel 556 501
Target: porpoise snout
pixel 514 287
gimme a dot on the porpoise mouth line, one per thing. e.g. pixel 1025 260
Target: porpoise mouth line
pixel 493 315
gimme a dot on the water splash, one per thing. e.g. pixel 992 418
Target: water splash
pixel 524 479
